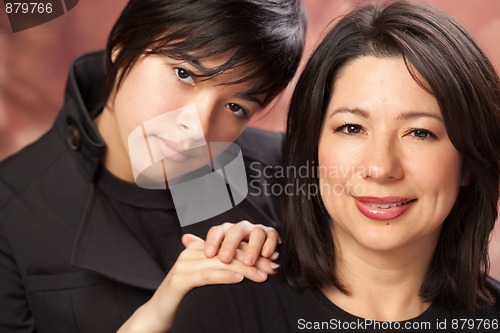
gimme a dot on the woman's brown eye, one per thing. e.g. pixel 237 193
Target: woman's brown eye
pixel 349 129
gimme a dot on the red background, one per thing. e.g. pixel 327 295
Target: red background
pixel 34 63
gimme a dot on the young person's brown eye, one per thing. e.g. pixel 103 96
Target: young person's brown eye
pixel 237 110
pixel 184 75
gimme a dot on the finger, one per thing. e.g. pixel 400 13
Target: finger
pixel 262 264
pixel 250 272
pixel 253 249
pixel 207 277
pixel 193 259
pixel 272 236
pixel 189 238
pixel 193 250
pixel 267 266
pixel 234 235
pixel 214 239
pixel 272 241
pixel 246 226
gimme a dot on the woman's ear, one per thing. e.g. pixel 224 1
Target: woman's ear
pixel 115 53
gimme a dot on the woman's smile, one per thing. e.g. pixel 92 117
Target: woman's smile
pixel 383 208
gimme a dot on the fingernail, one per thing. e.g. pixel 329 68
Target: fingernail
pixel 249 260
pixel 274 256
pixel 210 250
pixel 261 273
pixel 238 276
pixel 224 255
pixel 274 265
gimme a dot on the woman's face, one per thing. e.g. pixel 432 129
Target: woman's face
pixel 389 174
pixel 165 105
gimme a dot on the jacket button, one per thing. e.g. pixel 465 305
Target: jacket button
pixel 74 137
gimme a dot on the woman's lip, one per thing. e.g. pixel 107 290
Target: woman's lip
pixel 383 208
pixel 169 151
pixel 383 200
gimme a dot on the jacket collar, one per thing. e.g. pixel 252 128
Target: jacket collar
pixel 74 123
pixel 104 245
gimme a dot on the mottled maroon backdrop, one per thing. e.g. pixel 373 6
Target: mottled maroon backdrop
pixel 34 63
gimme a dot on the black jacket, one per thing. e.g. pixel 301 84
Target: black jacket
pixel 67 262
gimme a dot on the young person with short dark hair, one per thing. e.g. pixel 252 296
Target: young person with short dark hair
pixel 83 248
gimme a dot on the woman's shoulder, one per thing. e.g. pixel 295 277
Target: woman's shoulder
pixel 493 286
pixel 244 307
pixel 227 297
pixel 486 313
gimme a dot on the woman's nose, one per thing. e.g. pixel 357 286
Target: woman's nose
pixel 382 161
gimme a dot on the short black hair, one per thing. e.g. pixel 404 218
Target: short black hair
pixel 265 38
pixel 467 89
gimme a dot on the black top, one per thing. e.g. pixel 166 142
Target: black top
pixel 274 307
pixel 149 214
pixel 79 249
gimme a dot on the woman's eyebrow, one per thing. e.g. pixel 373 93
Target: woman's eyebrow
pixel 355 111
pixel 402 116
pixel 418 114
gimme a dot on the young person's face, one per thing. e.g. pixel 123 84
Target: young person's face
pixel 389 174
pixel 177 111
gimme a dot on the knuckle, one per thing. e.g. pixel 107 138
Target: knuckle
pixel 184 254
pixel 244 222
pixel 272 230
pixel 235 231
pixel 244 225
pixel 180 267
pixel 257 235
pixel 190 247
pixel 227 225
pixel 213 230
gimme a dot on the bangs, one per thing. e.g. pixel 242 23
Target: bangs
pixel 261 72
pixel 263 40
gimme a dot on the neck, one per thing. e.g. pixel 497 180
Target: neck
pixel 383 286
pixel 115 159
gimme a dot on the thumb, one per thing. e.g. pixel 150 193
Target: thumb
pixel 189 238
